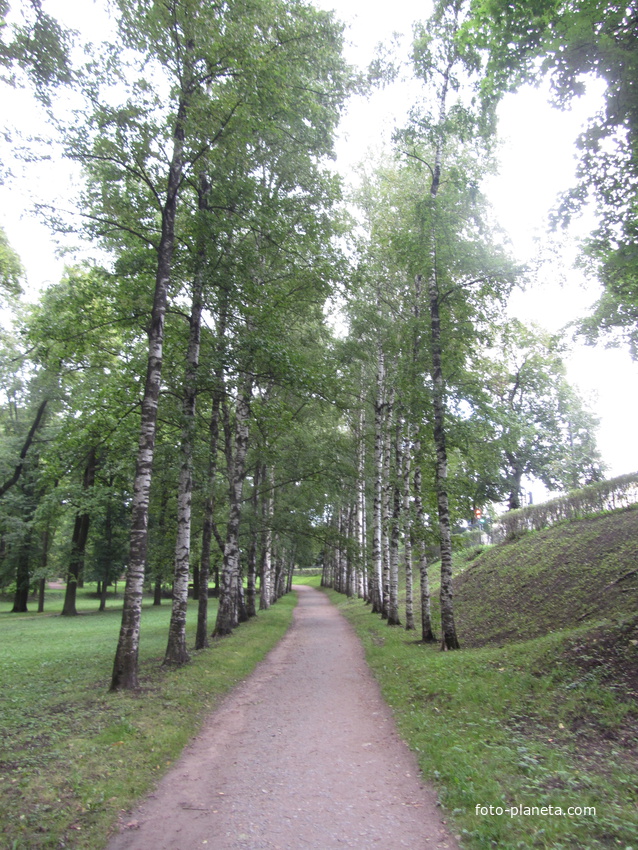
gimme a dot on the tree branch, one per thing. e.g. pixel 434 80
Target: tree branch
pixel 17 472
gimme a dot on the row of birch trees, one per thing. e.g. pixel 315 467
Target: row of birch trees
pixel 460 403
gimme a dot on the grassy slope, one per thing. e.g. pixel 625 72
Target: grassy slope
pixel 527 714
pixel 554 579
pixel 72 755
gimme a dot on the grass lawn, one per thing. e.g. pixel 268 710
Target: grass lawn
pixel 72 755
pixel 524 718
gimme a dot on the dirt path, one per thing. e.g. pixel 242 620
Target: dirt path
pixel 303 754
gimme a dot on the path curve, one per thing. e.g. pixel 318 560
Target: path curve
pixel 302 754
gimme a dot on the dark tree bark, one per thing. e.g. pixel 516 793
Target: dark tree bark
pixel 23 577
pixel 17 472
pixel 78 542
pixel 515 477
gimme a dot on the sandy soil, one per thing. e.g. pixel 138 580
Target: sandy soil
pixel 303 754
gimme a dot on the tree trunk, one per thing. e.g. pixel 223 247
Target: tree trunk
pixel 42 586
pixel 515 477
pixel 449 639
pixel 209 527
pixel 78 542
pixel 266 572
pixel 176 652
pixel 108 521
pixel 395 529
pixel 125 665
pixel 362 589
pixel 46 539
pixel 103 593
pixel 377 551
pixel 23 578
pixel 226 612
pixel 157 591
pixel 427 633
pixel 387 503
pixel 407 535
pixel 17 472
pixel 251 565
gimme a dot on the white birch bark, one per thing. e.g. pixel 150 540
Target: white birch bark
pixel 396 487
pixel 265 587
pixel 407 533
pixel 387 501
pixel 251 560
pixel 427 633
pixel 125 666
pixel 360 528
pixel 377 510
pixel 449 638
pixel 227 610
pixel 176 651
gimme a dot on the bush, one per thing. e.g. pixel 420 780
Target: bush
pixel 594 499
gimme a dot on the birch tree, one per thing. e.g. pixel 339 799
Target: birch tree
pixel 446 126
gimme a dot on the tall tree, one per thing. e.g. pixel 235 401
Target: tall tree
pixel 447 128
pixel 543 429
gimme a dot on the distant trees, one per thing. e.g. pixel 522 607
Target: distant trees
pixel 544 431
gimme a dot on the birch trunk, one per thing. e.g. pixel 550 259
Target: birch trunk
pixel 387 503
pixel 251 571
pixel 449 638
pixel 362 584
pixel 377 509
pixel 407 535
pixel 350 549
pixel 176 652
pixel 227 610
pixel 208 529
pixel 265 585
pixel 395 530
pixel 427 633
pixel 125 666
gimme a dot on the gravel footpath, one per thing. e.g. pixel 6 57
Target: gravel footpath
pixel 303 754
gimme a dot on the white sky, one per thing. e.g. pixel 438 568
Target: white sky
pixel 537 163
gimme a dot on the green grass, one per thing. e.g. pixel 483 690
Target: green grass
pixel 552 579
pixel 539 707
pixel 510 726
pixel 72 755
